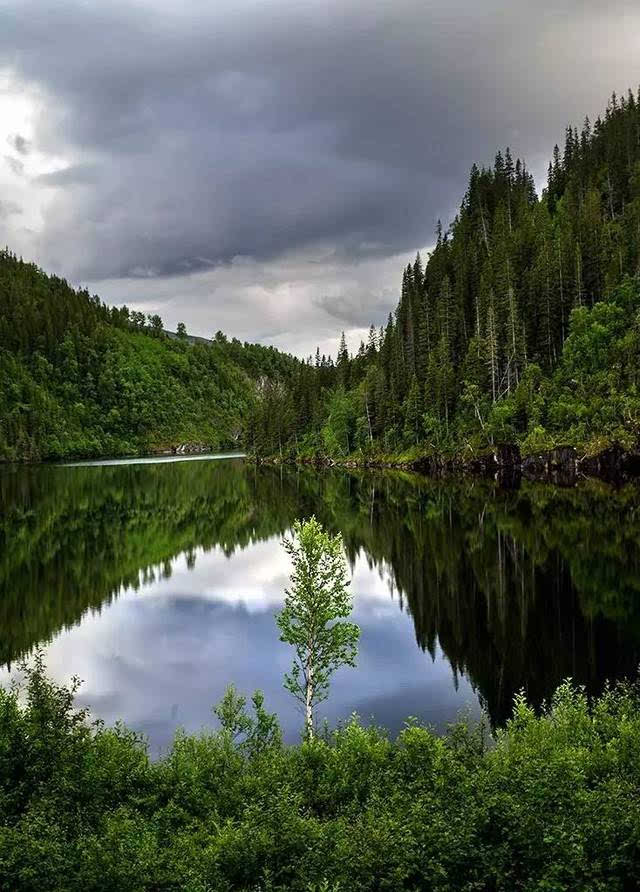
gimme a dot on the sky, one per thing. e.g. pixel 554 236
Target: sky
pixel 268 167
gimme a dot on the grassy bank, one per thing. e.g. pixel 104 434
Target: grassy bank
pixel 553 803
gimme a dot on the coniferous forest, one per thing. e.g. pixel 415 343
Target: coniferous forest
pixel 522 326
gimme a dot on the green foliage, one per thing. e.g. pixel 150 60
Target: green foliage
pixel 257 733
pixel 594 391
pixel 338 432
pixel 517 283
pixel 80 379
pixel 552 804
pixel 312 618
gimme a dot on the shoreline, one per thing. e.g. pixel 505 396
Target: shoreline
pixel 562 465
pixel 152 456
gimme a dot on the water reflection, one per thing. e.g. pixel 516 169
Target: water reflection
pixel 158 583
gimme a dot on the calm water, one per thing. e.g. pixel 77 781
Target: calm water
pixel 157 583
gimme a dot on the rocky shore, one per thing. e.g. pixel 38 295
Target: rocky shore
pixel 563 465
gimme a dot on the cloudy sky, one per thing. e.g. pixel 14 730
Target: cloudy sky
pixel 267 167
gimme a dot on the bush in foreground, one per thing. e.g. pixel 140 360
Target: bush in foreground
pixel 552 803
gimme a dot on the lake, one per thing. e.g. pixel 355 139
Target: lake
pixel 157 583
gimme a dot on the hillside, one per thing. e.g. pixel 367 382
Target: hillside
pixel 523 327
pixel 78 378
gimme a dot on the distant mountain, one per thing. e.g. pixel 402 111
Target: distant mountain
pixel 191 339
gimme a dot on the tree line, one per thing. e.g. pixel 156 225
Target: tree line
pixel 523 325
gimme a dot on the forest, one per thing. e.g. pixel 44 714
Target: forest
pixel 523 325
pixel 78 378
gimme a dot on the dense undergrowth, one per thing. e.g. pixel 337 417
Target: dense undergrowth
pixel 553 802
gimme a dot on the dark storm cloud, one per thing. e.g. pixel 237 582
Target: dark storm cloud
pixel 206 131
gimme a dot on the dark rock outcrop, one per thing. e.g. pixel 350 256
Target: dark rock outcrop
pixel 559 465
pixel 504 463
pixel 609 463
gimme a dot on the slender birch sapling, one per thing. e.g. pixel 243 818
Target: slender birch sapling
pixel 312 620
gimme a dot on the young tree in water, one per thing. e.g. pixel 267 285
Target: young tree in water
pixel 314 613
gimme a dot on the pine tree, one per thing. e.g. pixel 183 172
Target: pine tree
pixel 412 411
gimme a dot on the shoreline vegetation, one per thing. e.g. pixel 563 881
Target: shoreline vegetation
pixel 549 801
pixel 80 379
pixel 522 327
pixel 564 465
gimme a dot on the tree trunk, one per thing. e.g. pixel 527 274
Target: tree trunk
pixel 369 419
pixel 309 703
pixel 484 230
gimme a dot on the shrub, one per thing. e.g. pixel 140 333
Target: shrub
pixel 551 802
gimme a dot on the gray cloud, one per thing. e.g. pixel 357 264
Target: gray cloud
pixel 9 209
pixel 357 311
pixel 14 164
pixel 17 142
pixel 77 174
pixel 202 132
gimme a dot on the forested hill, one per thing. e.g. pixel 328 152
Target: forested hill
pixel 524 325
pixel 78 378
